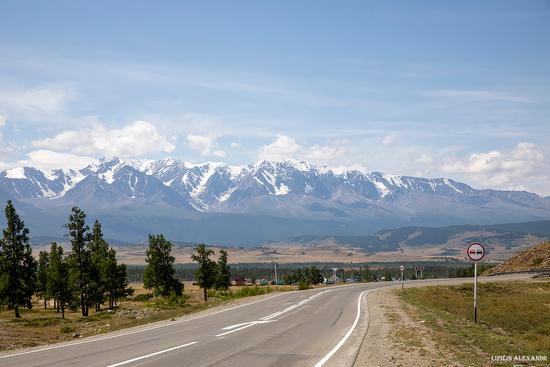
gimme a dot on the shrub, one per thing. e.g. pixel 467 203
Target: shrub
pixel 67 329
pixel 303 285
pixel 143 297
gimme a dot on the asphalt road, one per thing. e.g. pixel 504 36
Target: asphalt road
pixel 321 327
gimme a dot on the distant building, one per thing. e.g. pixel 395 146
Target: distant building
pixel 238 281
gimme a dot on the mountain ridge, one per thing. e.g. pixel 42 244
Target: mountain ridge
pixel 212 194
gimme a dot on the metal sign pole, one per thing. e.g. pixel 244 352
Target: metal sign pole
pixel 402 280
pixel 475 292
pixel 475 252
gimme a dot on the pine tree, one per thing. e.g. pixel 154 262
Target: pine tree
pixel 115 279
pixel 207 272
pixel 80 261
pixel 28 275
pixel 160 273
pixel 58 282
pixel 18 266
pixel 42 277
pixel 98 248
pixel 223 278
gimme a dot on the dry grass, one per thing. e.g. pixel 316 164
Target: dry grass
pixel 514 319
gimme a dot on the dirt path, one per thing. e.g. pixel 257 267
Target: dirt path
pixel 396 337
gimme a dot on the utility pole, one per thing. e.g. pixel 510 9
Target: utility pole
pixel 402 268
pixel 276 278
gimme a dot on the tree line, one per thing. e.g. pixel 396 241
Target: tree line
pixel 84 278
pixel 159 274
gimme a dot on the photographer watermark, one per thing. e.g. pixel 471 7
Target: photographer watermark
pixel 518 359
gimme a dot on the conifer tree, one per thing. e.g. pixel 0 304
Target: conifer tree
pixel 160 273
pixel 115 279
pixel 42 277
pixel 18 266
pixel 223 278
pixel 80 259
pixel 207 272
pixel 98 248
pixel 58 282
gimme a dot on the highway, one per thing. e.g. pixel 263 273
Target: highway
pixel 320 327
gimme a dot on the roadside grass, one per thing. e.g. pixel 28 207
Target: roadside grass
pixel 39 326
pixel 513 319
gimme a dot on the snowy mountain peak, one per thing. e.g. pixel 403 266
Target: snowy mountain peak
pixel 286 188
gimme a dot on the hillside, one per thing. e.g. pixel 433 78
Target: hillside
pixel 536 257
pixel 501 240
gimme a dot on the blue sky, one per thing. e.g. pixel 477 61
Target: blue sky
pixel 456 89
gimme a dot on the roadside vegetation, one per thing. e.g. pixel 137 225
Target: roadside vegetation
pixel 513 319
pixel 82 292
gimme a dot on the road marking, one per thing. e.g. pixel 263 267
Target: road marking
pixel 343 340
pixel 151 355
pixel 237 327
pixel 141 330
pixel 269 318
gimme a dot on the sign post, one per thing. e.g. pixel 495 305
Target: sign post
pixel 475 252
pixel 276 278
pixel 421 269
pixel 402 268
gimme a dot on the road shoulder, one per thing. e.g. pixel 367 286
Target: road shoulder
pixel 395 337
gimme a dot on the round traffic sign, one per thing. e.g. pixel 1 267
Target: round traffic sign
pixel 476 251
pixel 401 268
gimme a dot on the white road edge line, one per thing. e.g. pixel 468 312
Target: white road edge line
pixel 151 355
pixel 343 340
pixel 141 330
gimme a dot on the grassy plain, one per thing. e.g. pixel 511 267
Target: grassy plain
pixel 514 319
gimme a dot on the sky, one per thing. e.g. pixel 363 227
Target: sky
pixel 457 89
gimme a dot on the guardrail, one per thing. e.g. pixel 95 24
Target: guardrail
pixel 530 271
pixel 541 275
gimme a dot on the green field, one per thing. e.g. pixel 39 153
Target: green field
pixel 514 319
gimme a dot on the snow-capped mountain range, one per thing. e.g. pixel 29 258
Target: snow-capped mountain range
pixel 300 197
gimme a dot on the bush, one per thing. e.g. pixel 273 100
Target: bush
pixel 67 329
pixel 172 301
pixel 303 285
pixel 143 297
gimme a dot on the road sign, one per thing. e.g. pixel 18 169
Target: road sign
pixel 401 268
pixel 475 251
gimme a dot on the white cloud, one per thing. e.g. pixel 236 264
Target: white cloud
pixel 424 159
pixel 2 121
pixel 205 145
pixel 135 139
pixel 36 103
pixel 47 160
pixel 525 167
pixel 235 144
pixel 323 153
pixel 389 139
pixel 283 147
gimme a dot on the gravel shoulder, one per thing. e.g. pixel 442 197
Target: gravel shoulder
pixel 396 338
